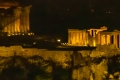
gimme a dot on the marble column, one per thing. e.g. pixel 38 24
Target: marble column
pixel 27 11
pixel 22 22
pixel 68 37
pixel 108 39
pixel 8 25
pixel 4 25
pixel 77 40
pixel 98 40
pixel 84 38
pixel 75 37
pixel 87 39
pixel 105 39
pixel 102 39
pixel 72 38
pixel 81 36
pixel 17 13
pixel 114 39
pixel 12 25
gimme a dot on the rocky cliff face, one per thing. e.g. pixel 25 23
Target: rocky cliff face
pixel 102 63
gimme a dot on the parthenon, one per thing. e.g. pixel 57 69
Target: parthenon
pixel 14 19
pixel 93 37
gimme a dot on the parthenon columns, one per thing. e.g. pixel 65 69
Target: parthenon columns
pixel 17 13
pixel 25 19
pixel 27 11
pixel 16 23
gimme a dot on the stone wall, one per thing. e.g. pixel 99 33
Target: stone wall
pixel 61 57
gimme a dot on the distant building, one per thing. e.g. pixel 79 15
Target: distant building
pixel 93 37
pixel 14 19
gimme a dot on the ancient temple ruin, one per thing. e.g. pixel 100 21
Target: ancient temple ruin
pixel 93 37
pixel 14 19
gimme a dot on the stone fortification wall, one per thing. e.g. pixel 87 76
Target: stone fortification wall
pixel 18 50
pixel 82 58
pixel 57 56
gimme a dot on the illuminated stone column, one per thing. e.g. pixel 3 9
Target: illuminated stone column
pixel 4 25
pixel 12 25
pixel 72 38
pixel 105 39
pixel 98 40
pixel 87 39
pixel 26 13
pixel 77 38
pixel 8 25
pixel 80 38
pixel 108 39
pixel 17 13
pixel 115 40
pixel 102 39
pixel 68 37
pixel 84 38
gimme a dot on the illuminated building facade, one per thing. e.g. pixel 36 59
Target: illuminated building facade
pixel 14 19
pixel 93 37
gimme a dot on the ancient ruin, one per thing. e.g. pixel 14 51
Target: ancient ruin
pixel 14 19
pixel 93 37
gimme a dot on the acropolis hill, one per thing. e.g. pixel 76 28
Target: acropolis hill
pixel 84 58
pixel 89 54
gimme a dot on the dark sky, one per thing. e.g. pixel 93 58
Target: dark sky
pixel 56 16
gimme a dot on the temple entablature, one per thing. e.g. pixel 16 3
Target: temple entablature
pixel 7 5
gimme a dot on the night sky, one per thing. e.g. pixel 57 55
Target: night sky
pixel 56 16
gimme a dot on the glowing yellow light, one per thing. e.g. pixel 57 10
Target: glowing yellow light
pixel 94 43
pixel 34 42
pixel 29 34
pixel 58 40
pixel 22 34
pixel 9 35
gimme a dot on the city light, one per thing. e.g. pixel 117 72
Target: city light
pixel 34 42
pixel 58 40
